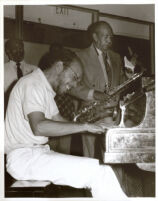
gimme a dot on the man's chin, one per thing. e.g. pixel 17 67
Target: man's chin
pixel 18 59
pixel 106 47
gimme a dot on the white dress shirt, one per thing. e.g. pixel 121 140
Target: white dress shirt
pixel 10 72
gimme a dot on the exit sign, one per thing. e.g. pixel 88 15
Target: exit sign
pixel 62 10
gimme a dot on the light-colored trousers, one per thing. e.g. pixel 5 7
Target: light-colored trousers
pixel 41 163
pixel 63 143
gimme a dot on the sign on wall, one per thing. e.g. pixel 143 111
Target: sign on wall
pixel 58 16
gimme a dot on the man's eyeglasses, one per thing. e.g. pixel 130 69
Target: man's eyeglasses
pixel 76 78
pixel 109 36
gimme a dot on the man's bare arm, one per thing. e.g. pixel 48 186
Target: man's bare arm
pixel 58 117
pixel 53 128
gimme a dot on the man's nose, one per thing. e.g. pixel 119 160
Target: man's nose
pixel 74 84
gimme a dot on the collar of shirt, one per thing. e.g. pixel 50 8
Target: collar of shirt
pixel 45 81
pixel 14 63
pixel 99 51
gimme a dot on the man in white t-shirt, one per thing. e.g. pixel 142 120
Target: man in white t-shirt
pixel 32 116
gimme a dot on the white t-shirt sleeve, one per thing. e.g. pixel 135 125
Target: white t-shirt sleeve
pixel 33 100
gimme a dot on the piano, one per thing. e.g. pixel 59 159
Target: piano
pixel 135 144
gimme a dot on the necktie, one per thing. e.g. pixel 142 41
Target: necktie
pixel 107 68
pixel 19 71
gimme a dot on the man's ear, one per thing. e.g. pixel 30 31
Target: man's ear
pixel 95 38
pixel 59 67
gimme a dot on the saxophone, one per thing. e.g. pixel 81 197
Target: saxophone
pixel 91 113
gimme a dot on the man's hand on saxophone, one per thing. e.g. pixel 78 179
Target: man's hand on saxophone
pixel 101 96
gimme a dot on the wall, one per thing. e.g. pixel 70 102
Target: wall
pixel 33 52
pixel 76 19
pixel 144 12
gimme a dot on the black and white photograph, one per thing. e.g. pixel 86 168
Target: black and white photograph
pixel 79 101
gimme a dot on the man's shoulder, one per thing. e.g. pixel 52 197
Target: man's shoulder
pixel 114 54
pixel 28 68
pixel 7 64
pixel 31 80
pixel 31 66
pixel 8 67
pixel 84 52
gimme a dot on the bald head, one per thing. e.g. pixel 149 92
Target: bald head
pixel 14 49
pixel 101 34
pixel 94 27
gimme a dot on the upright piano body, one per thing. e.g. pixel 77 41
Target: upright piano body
pixel 133 145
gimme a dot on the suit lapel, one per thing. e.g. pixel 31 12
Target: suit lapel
pixel 113 66
pixel 97 69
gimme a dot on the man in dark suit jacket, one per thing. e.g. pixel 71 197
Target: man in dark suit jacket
pixel 102 67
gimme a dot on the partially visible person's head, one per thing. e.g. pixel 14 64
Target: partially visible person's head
pixel 63 70
pixel 55 47
pixel 14 49
pixel 101 34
